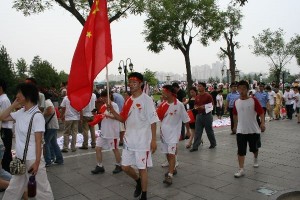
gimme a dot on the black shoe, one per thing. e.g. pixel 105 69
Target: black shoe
pixel 168 180
pixel 138 189
pixel 192 150
pixel 84 148
pixel 59 162
pixel 174 173
pixel 120 144
pixel 212 146
pixel 98 170
pixel 117 170
pixel 64 150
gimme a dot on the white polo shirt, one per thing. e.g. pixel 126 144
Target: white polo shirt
pixel 141 115
pixel 4 104
pixel 110 128
pixel 22 119
pixel 87 111
pixel 70 113
pixel 172 122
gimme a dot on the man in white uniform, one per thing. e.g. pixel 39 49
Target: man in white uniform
pixel 140 120
pixel 109 137
pixel 171 113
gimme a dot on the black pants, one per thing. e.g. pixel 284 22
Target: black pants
pixel 289 111
pixel 231 117
pixel 6 136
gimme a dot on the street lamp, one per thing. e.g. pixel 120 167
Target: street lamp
pixel 283 79
pixel 237 75
pixel 124 67
pixel 227 74
pixel 168 79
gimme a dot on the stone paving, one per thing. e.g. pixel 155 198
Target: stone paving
pixel 205 174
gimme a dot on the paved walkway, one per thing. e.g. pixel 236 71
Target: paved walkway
pixel 205 174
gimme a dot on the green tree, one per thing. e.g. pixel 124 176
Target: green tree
pixel 233 17
pixel 44 73
pixel 21 69
pixel 177 23
pixel 272 45
pixel 7 71
pixel 149 76
pixel 63 76
pixel 79 8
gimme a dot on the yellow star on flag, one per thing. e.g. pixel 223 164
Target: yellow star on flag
pixel 89 34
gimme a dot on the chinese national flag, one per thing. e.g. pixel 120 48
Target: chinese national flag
pixel 92 54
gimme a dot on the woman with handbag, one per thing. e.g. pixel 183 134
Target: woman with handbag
pixel 29 130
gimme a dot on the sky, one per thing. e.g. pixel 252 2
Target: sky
pixel 53 35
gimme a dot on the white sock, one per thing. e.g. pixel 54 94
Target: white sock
pixel 100 164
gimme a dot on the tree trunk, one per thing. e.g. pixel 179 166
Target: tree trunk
pixel 188 69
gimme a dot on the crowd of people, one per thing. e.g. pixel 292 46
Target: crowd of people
pixel 131 121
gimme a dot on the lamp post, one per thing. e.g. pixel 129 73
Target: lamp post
pixel 168 79
pixel 227 74
pixel 124 67
pixel 283 77
pixel 237 75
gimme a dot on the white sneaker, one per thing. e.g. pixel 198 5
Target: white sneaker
pixel 255 164
pixel 176 163
pixel 165 164
pixel 239 174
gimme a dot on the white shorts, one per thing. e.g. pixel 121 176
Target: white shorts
pixel 122 127
pixel 141 159
pixel 168 148
pixel 107 143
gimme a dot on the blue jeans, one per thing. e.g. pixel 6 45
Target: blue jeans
pixel 50 138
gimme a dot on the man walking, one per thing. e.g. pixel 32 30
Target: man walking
pixel 204 118
pixel 140 119
pixel 6 127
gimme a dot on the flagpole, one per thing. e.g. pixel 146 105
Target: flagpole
pixel 107 85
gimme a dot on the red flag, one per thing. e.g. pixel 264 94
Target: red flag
pixel 92 54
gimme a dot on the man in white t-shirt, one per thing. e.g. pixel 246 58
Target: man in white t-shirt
pixel 109 136
pixel 86 116
pixel 71 118
pixel 140 120
pixel 171 113
pixel 271 96
pixel 297 102
pixel 6 127
pixel 288 97
pixel 245 110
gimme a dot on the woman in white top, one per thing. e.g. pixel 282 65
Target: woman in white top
pixel 219 104
pixel 27 97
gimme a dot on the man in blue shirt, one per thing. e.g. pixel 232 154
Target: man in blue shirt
pixel 230 99
pixel 263 98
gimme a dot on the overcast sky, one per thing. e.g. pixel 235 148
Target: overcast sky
pixel 53 36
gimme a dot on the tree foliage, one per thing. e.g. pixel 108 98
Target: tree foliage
pixel 7 71
pixel 79 8
pixel 232 20
pixel 273 46
pixel 44 73
pixel 149 76
pixel 177 23
pixel 21 69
